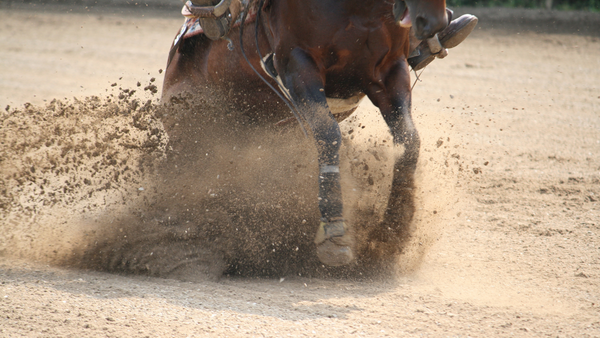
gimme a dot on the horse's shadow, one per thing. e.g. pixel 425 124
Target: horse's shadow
pixel 290 299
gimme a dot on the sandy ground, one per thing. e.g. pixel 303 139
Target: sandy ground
pixel 509 191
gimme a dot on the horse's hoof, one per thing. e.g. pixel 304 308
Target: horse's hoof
pixel 334 255
pixel 456 32
pixel 334 244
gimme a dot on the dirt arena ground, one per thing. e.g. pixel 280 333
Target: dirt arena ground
pixel 508 223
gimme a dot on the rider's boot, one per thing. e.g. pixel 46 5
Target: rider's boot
pixel 456 32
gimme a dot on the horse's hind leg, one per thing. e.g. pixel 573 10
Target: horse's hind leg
pixel 394 102
pixel 301 77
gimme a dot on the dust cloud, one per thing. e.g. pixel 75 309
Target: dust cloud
pixel 98 184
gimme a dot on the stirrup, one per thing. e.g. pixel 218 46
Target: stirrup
pixel 216 17
pixel 456 32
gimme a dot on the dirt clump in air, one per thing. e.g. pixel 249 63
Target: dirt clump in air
pixel 96 183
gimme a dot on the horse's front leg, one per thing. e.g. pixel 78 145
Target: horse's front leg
pixel 301 77
pixel 393 97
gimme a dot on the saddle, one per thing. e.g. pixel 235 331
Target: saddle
pixel 215 18
pixel 214 21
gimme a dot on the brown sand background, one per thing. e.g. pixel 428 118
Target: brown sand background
pixel 509 183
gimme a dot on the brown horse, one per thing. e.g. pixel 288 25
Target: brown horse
pixel 322 53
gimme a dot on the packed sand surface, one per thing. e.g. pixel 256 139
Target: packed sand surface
pixel 106 231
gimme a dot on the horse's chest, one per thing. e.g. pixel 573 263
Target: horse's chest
pixel 358 53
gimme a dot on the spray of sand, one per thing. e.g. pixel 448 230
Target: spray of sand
pixel 98 184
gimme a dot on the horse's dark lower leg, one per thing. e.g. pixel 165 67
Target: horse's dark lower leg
pixel 305 87
pixel 401 207
pixel 302 78
pixel 396 110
